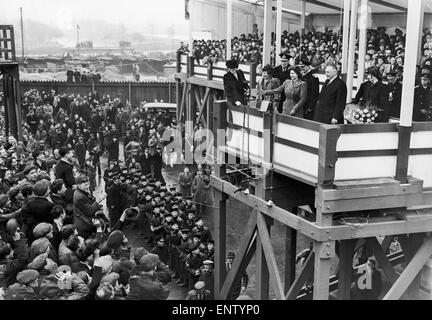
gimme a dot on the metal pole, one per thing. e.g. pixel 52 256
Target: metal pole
pixel 278 31
pixel 229 29
pixel 351 52
pixel 22 34
pixel 415 9
pixel 346 21
pixel 78 41
pixel 363 24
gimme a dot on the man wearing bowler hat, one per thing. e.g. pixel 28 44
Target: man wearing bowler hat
pixel 235 84
pixel 282 73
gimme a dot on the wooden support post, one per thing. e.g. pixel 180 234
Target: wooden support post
pixel 6 112
pixel 262 270
pixel 278 31
pixel 219 125
pixel 385 245
pixel 268 28
pixel 304 275
pixel 345 268
pixel 351 49
pixel 403 153
pixel 178 60
pixel 253 75
pixel 290 255
pixel 302 23
pixel 209 113
pixel 324 251
pixel 323 254
pixel 270 257
pixel 229 29
pixel 411 271
pixel 220 241
pixel 363 25
pixel 329 136
pixel 242 258
pixel 190 66
pixel 415 10
pixel 209 71
pixel 345 38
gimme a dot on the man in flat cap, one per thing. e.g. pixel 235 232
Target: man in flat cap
pixel 207 276
pixel 24 288
pixel 235 84
pixel 143 286
pixel 199 292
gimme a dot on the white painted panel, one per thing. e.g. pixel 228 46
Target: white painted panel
pixel 200 76
pixel 244 67
pixel 183 58
pixel 183 69
pixel 298 134
pixel 420 166
pixel 421 139
pixel 255 123
pixel 247 77
pixel 239 140
pixel 368 141
pixel 220 65
pixel 200 70
pixel 365 168
pixel 296 159
pixel 218 72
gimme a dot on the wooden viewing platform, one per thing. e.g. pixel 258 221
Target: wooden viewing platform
pixel 360 181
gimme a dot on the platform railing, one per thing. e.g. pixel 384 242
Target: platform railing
pixel 188 65
pixel 320 154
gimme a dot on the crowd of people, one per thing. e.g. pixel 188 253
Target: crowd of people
pixel 57 241
pixel 385 51
pixel 75 76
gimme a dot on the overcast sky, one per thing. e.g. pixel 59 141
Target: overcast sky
pixel 134 14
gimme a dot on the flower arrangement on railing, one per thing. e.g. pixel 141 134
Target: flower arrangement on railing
pixel 358 114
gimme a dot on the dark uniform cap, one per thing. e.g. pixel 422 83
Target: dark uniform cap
pixel 185 230
pixel 285 56
pixel 149 262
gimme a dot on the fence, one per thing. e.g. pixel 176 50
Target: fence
pixel 138 91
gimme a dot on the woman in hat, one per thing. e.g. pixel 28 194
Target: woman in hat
pixel 267 83
pixel 377 96
pixel 235 84
pixel 295 94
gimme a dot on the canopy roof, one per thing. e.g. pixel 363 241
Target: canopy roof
pixel 335 6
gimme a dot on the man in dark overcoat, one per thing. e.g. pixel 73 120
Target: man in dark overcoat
pixel 332 99
pixel 235 84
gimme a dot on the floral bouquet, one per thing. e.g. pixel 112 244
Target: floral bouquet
pixel 362 114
